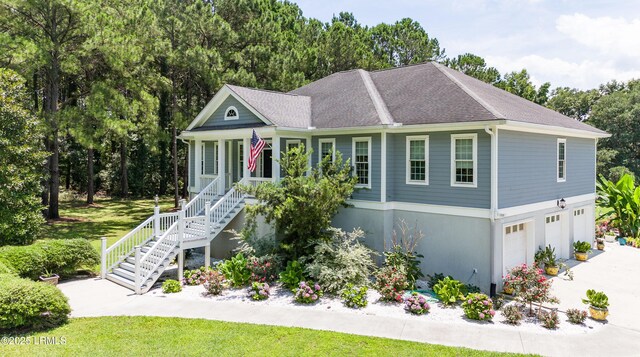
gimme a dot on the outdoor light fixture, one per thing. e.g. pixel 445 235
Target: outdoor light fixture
pixel 156 199
pixel 562 203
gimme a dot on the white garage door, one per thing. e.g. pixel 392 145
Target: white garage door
pixel 553 235
pixel 580 225
pixel 515 246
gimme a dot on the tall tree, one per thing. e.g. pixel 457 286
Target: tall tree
pixel 21 157
pixel 474 66
pixel 572 102
pixel 52 27
pixel 519 83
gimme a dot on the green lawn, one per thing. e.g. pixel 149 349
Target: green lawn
pixel 108 217
pixel 156 336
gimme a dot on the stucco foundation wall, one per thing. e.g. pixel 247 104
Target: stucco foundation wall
pixel 453 245
pixel 222 246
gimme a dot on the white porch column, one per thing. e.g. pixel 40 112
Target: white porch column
pixel 221 165
pixel 275 156
pixel 307 147
pixel 180 264
pixel 246 142
pixel 207 255
pixel 198 165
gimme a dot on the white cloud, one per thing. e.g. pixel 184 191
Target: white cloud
pixel 613 36
pixel 585 74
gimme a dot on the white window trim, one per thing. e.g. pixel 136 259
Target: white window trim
pixel 474 137
pixel 216 158
pixel 226 113
pixel 332 141
pixel 240 162
pixel 292 141
pixel 353 158
pixel 409 139
pixel 561 179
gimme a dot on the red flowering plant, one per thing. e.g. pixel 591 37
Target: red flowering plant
pixel 530 286
pixel 391 282
pixel 263 269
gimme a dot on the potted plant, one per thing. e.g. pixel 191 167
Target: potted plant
pixel 600 243
pixel 507 289
pixel 550 264
pixel 581 250
pixel 49 277
pixel 610 237
pixel 598 304
pixel 622 240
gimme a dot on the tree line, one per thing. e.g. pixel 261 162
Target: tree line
pixel 110 83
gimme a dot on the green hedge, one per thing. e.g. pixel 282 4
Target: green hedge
pixel 26 304
pixel 63 257
pixel 4 269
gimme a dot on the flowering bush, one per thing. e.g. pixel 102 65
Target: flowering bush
pixel 549 320
pixel 196 276
pixel 530 286
pixel 576 316
pixel 263 269
pixel 308 293
pixel 512 314
pixel 390 283
pixel 259 291
pixel 478 307
pixel 215 282
pixel 416 304
pixel 354 297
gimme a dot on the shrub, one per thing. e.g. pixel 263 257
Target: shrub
pixel 215 282
pixel 470 289
pixel 530 286
pixel 342 260
pixel 292 275
pixel 5 269
pixel 622 199
pixel 416 304
pixel 435 278
pixel 196 276
pixel 402 252
pixel 263 269
pixel 391 283
pixel 30 305
pixel 576 316
pixel 236 270
pixel 498 302
pixel 259 291
pixel 549 320
pixel 171 286
pixel 449 291
pixel 308 293
pixel 354 297
pixel 512 313
pixel 63 257
pixel 478 307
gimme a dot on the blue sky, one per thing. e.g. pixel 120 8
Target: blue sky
pixel 566 42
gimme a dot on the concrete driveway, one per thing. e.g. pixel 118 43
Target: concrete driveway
pixel 615 271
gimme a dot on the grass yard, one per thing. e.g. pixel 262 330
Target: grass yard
pixel 156 336
pixel 108 217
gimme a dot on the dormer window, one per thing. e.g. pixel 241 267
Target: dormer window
pixel 231 113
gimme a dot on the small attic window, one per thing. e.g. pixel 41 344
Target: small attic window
pixel 231 113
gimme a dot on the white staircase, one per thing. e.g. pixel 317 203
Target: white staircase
pixel 138 259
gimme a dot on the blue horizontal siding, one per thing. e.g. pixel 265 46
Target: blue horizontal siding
pixel 439 191
pixel 527 168
pixel 344 146
pixel 245 116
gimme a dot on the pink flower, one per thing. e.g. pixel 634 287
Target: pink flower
pixel 485 302
pixel 481 315
pixel 492 312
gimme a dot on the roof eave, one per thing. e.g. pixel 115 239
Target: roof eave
pixel 552 130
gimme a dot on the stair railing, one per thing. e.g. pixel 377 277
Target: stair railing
pixel 197 204
pixel 228 202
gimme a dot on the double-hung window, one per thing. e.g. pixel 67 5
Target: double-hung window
pixel 417 160
pixel 362 161
pixel 464 160
pixel 327 148
pixel 562 160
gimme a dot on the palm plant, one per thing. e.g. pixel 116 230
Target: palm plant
pixel 622 199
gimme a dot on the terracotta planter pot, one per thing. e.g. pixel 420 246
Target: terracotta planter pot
pixel 582 257
pixel 53 279
pixel 508 290
pixel 553 271
pixel 598 314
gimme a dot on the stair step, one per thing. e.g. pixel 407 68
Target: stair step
pixel 128 266
pixel 125 274
pixel 121 281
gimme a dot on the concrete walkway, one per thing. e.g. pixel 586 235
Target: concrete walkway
pixel 619 337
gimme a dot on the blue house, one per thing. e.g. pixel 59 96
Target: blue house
pixel 486 175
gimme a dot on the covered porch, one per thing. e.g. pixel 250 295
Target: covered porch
pixel 224 154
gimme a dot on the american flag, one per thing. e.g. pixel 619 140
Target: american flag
pixel 257 144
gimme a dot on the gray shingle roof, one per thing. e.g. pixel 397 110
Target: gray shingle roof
pixel 427 93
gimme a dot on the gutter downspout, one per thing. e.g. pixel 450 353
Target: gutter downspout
pixel 494 203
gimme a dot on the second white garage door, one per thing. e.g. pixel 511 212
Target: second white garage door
pixel 515 246
pixel 556 236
